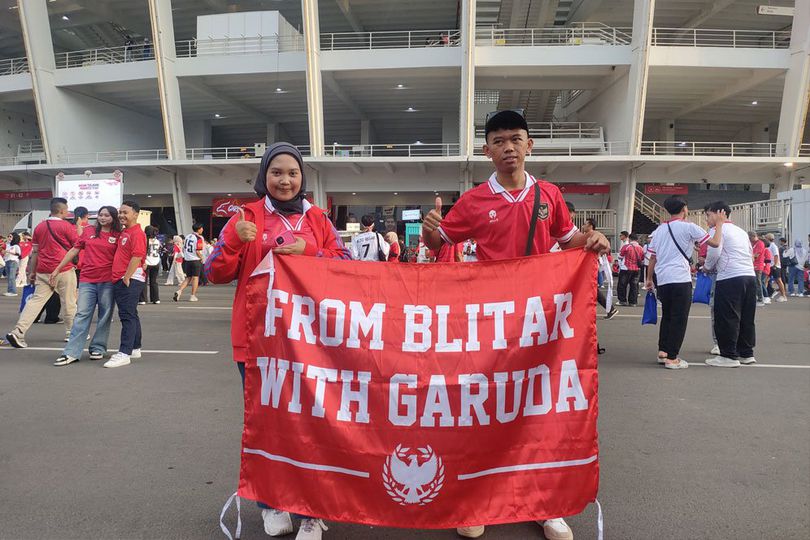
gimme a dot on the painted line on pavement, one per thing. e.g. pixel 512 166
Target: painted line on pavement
pixel 783 366
pixel 155 351
pixel 639 316
pixel 205 308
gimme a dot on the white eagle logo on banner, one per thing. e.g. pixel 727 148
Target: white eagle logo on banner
pixel 413 476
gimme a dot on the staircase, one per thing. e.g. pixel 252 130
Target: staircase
pixel 648 208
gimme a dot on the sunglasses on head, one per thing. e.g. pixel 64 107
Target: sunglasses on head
pixel 521 112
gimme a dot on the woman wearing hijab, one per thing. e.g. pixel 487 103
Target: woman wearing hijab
pixel 176 270
pixel 246 240
pixel 795 258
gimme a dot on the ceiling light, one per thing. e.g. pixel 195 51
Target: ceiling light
pixel 280 90
pixel 395 193
pixel 418 142
pixel 411 109
pixel 789 164
pixel 755 102
pixel 230 194
pixel 681 144
pixel 216 115
pixel 65 18
pixel 400 86
pixel 335 143
pixel 354 193
pixel 148 196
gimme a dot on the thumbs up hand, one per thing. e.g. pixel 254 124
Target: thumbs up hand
pixel 434 217
pixel 246 230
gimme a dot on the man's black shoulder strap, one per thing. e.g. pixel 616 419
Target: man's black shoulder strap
pixel 533 219
pixel 669 228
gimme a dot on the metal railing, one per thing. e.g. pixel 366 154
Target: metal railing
pixel 13 66
pixel 578 34
pixel 605 219
pixel 239 45
pixel 30 147
pixel 578 148
pixel 105 55
pixel 392 150
pixel 704 37
pixel 701 148
pixel 647 206
pixel 558 130
pixel 402 39
pixel 761 216
pixel 804 150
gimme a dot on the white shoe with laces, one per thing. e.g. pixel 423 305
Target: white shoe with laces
pixel 748 360
pixel 193 299
pixel 678 363
pixel 119 359
pixel 311 529
pixel 277 522
pixel 136 353
pixel 781 298
pixel 766 300
pixel 715 350
pixel 722 361
pixel 471 532
pixel 556 529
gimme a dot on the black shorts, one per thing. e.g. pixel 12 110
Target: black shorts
pixel 192 268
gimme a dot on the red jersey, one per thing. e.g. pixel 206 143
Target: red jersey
pixel 53 238
pixel 448 253
pixel 393 254
pixel 759 255
pixel 767 260
pixel 632 254
pixel 499 219
pixel 131 243
pixel 275 224
pixel 99 254
pixel 25 248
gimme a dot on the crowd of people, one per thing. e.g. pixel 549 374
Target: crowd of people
pixel 94 268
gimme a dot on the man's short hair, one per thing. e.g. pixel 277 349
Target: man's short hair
pixel 196 227
pixel 634 237
pixel 674 204
pixel 752 234
pixel 570 207
pixel 783 240
pixel 624 233
pixel 367 220
pixel 80 212
pixel 58 204
pixel 132 204
pixel 505 120
pixel 770 237
pixel 716 206
pixel 591 222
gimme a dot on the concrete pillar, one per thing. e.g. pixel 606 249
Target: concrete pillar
pixel 273 133
pixel 467 107
pixel 797 84
pixel 666 134
pixel 622 199
pixel 450 129
pixel 366 131
pixel 316 185
pixel 160 15
pixel 182 203
pixel 36 31
pixel 465 182
pixel 643 11
pixel 312 40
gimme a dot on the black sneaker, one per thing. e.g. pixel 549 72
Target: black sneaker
pixel 176 296
pixel 96 356
pixel 612 313
pixel 16 342
pixel 65 360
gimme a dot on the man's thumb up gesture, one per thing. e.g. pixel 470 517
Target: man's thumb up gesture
pixel 246 230
pixel 434 217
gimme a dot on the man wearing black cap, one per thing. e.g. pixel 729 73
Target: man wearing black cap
pixel 498 214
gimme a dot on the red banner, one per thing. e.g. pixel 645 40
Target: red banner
pixel 584 188
pixel 228 207
pixel 422 396
pixel 664 189
pixel 17 195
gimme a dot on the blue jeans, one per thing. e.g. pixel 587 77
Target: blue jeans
pixel 795 273
pixel 11 271
pixel 90 296
pixel 126 299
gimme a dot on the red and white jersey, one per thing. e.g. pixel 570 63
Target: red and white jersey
pixel 499 220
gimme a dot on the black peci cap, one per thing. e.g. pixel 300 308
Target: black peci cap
pixel 509 119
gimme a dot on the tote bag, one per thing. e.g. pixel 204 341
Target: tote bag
pixel 27 291
pixel 703 289
pixel 650 315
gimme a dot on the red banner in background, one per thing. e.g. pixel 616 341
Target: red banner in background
pixel 422 396
pixel 583 188
pixel 228 207
pixel 666 189
pixel 19 195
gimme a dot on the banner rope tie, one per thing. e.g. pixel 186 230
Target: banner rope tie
pixel 600 522
pixel 222 525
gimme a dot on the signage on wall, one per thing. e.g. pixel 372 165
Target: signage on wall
pixel 228 207
pixel 91 190
pixel 21 195
pixel 408 215
pixel 584 188
pixel 666 189
pixel 776 10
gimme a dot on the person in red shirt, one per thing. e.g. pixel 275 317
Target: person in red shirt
pixel 129 278
pixel 98 245
pixel 759 261
pixel 632 254
pixel 766 272
pixel 249 237
pixel 450 253
pixel 499 214
pixel 25 252
pixel 52 239
pixel 393 241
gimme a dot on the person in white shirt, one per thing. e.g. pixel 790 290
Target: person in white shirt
pixel 735 298
pixel 192 263
pixel 470 247
pixel 780 295
pixel 11 257
pixel 369 245
pixel 152 267
pixel 795 257
pixel 672 245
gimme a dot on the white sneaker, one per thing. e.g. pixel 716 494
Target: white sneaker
pixel 471 532
pixel 276 522
pixel 136 353
pixel 119 359
pixel 781 299
pixel 556 529
pixel 679 363
pixel 715 350
pixel 193 299
pixel 748 361
pixel 64 360
pixel 9 294
pixel 722 361
pixel 67 336
pixel 760 304
pixel 766 300
pixel 311 529
pixel 774 294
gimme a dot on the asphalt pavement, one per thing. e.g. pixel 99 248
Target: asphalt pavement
pixel 152 450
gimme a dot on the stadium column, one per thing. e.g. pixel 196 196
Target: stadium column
pixel 160 15
pixel 467 106
pixel 312 40
pixel 182 202
pixel 797 84
pixel 315 183
pixel 624 195
pixel 36 31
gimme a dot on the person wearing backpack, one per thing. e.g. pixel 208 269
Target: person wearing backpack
pixel 53 238
pixel 369 245
pixel 633 255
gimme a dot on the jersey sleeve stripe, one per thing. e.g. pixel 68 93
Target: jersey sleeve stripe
pixel 564 239
pixel 444 236
pixel 705 239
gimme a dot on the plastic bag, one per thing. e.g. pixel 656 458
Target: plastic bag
pixel 650 315
pixel 703 289
pixel 27 291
